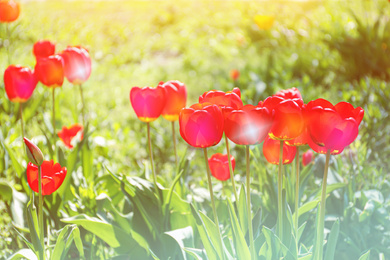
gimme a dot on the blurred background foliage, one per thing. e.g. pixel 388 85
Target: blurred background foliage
pixel 338 50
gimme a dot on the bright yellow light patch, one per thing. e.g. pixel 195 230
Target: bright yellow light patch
pixel 264 22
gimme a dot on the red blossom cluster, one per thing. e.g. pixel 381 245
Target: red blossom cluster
pixel 73 63
pixel 281 117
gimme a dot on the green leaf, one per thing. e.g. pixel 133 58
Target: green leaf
pixel 179 212
pixel 332 241
pixel 15 163
pixel 64 241
pixel 87 160
pixel 78 242
pixel 207 244
pixel 317 244
pixel 5 191
pixel 277 247
pixel 306 207
pixel 306 257
pixel 256 223
pixel 168 199
pixel 330 188
pixel 32 222
pixel 300 230
pixel 104 203
pixel 212 231
pixel 197 254
pixel 242 210
pixel 369 209
pixel 242 249
pixel 114 236
pixel 64 190
pixel 365 256
pixel 287 222
pixel 23 254
pixel 184 238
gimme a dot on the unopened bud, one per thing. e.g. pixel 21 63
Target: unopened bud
pixel 33 152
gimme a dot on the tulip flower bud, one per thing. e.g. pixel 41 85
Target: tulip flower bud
pixel 33 152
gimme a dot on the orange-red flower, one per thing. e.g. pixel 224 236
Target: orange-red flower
pixel 289 121
pixel 290 93
pixel 234 74
pixel 219 166
pixel 50 71
pixel 248 125
pixel 77 64
pixel 9 11
pixel 44 48
pixel 271 150
pixel 19 82
pixel 67 134
pixel 201 125
pixel 147 102
pixel 301 140
pixel 175 99
pixel 53 176
pixel 333 127
pixel 319 149
pixel 307 157
pixel 227 101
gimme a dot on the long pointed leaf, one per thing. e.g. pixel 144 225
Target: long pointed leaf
pixel 208 245
pixel 332 241
pixel 242 249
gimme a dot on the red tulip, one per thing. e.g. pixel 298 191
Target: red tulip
pixel 77 64
pixel 67 134
pixel 319 149
pixel 19 82
pixel 271 150
pixel 219 166
pixel 248 125
pixel 176 98
pixel 234 74
pixel 147 102
pixel 44 48
pixel 307 157
pixel 290 93
pixel 52 176
pixel 333 127
pixel 228 101
pixel 50 71
pixel 9 11
pixel 301 140
pixel 201 125
pixel 289 122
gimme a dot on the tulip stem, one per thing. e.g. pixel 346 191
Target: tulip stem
pixel 174 143
pixel 248 200
pixel 320 228
pixel 21 118
pixel 211 192
pixel 82 104
pixel 54 118
pixel 151 156
pixel 280 187
pixel 296 192
pixel 231 172
pixel 40 213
